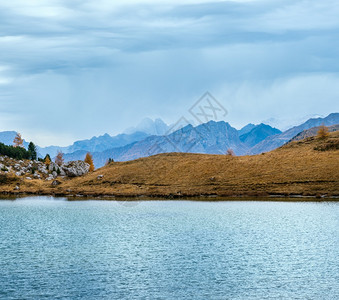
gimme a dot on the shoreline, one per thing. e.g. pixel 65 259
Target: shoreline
pixel 203 197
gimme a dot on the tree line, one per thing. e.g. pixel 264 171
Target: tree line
pixel 17 151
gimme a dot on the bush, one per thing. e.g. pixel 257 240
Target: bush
pixel 5 179
pixel 110 160
pixel 230 152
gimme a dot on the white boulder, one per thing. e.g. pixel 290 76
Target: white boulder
pixel 75 168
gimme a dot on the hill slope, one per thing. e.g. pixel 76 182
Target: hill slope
pixel 296 168
pixel 275 141
pixel 312 132
pixel 212 138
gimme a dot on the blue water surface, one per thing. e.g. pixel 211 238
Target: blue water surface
pixel 57 249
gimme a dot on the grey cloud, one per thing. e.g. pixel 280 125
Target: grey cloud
pixel 114 65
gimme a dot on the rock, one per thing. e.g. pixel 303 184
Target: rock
pixel 75 168
pixel 37 176
pixel 17 188
pixel 53 166
pixel 17 167
pixel 42 169
pixel 68 190
pixel 56 182
pixel 100 177
pixel 54 174
pixel 28 178
pixel 62 172
pixel 50 177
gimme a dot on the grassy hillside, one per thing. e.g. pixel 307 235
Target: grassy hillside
pixel 307 167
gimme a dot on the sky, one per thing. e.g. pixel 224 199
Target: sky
pixel 72 69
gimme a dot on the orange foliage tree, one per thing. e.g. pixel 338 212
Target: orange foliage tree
pixel 323 132
pixel 59 159
pixel 89 160
pixel 47 161
pixel 18 141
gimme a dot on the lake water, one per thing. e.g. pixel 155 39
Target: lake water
pixel 58 249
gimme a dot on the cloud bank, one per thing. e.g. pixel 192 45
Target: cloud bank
pixel 73 69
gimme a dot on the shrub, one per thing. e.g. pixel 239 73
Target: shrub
pixel 5 179
pixel 230 152
pixel 110 160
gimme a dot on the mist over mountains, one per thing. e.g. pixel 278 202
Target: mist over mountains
pixel 150 127
pixel 154 137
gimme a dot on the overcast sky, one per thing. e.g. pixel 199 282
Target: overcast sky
pixel 72 69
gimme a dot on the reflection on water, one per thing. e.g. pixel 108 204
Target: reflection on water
pixel 168 250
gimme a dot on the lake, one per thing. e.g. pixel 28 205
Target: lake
pixel 52 248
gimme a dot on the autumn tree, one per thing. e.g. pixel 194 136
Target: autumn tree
pixel 59 159
pixel 323 132
pixel 18 141
pixel 47 160
pixel 89 160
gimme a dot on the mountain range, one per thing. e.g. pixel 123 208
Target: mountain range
pixel 96 144
pixel 153 137
pixel 275 141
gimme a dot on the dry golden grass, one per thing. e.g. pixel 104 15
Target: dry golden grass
pixel 296 168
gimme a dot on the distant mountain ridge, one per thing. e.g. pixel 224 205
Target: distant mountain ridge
pixel 96 144
pixel 257 134
pixel 104 142
pixel 275 141
pixel 246 129
pixel 211 138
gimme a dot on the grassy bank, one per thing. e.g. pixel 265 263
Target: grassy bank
pixel 308 168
